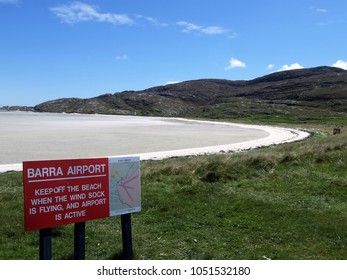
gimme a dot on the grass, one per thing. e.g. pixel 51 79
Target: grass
pixel 281 202
pixel 277 112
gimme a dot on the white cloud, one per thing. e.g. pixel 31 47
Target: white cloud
pixel 340 64
pixel 213 30
pixel 173 82
pixel 290 67
pixel 316 9
pixel 270 67
pixel 122 57
pixel 189 26
pixel 152 20
pixel 235 63
pixel 208 30
pixel 321 10
pixel 79 12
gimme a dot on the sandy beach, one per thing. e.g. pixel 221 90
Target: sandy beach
pixel 42 136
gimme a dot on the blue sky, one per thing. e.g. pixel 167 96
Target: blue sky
pixel 59 48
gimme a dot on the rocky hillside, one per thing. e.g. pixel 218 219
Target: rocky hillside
pixel 317 92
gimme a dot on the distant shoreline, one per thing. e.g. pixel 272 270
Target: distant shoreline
pixel 17 108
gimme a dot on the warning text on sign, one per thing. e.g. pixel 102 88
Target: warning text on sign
pixel 65 191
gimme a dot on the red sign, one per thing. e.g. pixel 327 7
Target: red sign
pixel 60 192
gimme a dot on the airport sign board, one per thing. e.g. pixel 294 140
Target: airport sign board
pixel 59 192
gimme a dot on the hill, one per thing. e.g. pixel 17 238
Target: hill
pixel 295 95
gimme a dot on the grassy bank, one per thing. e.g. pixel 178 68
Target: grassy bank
pixel 283 202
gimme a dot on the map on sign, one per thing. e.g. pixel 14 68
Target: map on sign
pixel 125 185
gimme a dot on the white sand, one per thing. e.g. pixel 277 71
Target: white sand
pixel 43 136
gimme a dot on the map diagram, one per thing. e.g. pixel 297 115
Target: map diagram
pixel 125 185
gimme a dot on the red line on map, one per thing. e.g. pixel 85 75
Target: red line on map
pixel 124 185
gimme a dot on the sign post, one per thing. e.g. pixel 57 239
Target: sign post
pixel 60 192
pixel 79 241
pixel 127 236
pixel 46 244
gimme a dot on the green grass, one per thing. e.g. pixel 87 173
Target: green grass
pixel 277 111
pixel 281 202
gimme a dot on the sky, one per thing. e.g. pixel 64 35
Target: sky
pixel 52 49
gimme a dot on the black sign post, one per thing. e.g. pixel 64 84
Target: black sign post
pixel 80 241
pixel 126 236
pixel 46 244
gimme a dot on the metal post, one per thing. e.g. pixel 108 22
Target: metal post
pixel 126 236
pixel 46 244
pixel 80 241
